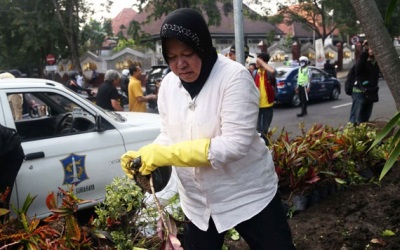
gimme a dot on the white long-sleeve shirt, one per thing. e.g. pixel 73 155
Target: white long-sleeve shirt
pixel 241 180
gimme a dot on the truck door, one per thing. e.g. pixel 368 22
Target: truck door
pixel 63 148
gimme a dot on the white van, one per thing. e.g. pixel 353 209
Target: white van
pixel 69 140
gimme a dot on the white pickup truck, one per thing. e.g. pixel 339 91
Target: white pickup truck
pixel 69 140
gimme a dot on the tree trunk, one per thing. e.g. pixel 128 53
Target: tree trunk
pixel 380 41
pixel 70 32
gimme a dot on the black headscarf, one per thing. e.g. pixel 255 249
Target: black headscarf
pixel 189 27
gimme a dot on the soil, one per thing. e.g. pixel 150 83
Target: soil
pixel 351 219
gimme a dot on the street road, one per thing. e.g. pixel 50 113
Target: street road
pixel 333 113
pixel 327 112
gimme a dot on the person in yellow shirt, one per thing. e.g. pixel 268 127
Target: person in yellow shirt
pixel 265 82
pixel 137 100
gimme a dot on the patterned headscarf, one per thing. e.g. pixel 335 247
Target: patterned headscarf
pixel 189 27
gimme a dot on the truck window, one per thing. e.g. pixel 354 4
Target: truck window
pixel 40 115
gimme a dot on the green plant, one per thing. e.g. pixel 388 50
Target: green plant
pixel 118 215
pixel 59 231
pixel 300 161
pixel 393 150
pixel 131 220
pixel 71 234
pixel 323 155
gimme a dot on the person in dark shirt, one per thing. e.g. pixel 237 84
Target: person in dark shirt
pixel 124 82
pixel 11 157
pixel 107 94
pixel 367 76
pixel 74 86
pixel 330 68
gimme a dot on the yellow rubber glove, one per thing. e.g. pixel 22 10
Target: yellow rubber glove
pixel 126 163
pixel 184 154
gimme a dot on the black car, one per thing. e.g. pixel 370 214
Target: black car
pixel 156 72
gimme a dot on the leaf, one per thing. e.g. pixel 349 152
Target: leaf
pixel 72 227
pixel 385 131
pixel 4 211
pixel 103 235
pixel 51 201
pixel 389 12
pixel 27 203
pixel 34 224
pixel 31 246
pixel 235 235
pixel 376 241
pixel 173 243
pixel 394 155
pixel 340 181
pixel 388 233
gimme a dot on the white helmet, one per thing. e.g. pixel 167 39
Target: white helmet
pixel 125 72
pixel 303 59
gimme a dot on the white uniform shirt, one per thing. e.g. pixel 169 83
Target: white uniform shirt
pixel 242 179
pixel 79 80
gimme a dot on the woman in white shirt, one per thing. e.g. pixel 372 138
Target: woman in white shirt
pixel 209 108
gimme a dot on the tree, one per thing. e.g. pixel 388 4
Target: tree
pixel 68 14
pixel 28 33
pixel 381 42
pixel 94 34
pixel 32 29
pixel 392 21
pixel 321 16
pixel 159 8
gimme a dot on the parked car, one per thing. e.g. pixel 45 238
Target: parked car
pixel 14 72
pixel 69 140
pixel 156 72
pixel 322 85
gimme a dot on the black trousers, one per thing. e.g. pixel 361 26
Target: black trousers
pixel 267 230
pixel 10 165
pixel 303 99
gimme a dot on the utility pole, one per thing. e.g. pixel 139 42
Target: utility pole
pixel 239 36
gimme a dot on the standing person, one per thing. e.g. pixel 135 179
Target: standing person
pixel 95 76
pixel 286 62
pixel 232 52
pixel 124 82
pixel 330 68
pixel 107 94
pixel 74 86
pixel 366 85
pixel 265 82
pixel 80 79
pixel 303 85
pixel 209 110
pixel 137 100
pixel 253 69
pixel 11 157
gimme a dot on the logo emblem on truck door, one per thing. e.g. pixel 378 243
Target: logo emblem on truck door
pixel 74 169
